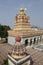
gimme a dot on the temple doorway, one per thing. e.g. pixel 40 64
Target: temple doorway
pixel 26 42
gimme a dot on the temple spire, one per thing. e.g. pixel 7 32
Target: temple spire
pixel 22 10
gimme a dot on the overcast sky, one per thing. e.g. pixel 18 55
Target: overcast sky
pixel 9 9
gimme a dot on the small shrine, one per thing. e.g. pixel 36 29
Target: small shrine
pixel 19 56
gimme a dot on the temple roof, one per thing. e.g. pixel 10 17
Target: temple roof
pixel 37 56
pixel 25 33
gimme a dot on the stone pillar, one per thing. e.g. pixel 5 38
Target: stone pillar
pixel 37 40
pixel 34 41
pixel 40 38
pixel 22 40
pixel 30 42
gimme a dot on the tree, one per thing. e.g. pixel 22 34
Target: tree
pixel 5 62
pixel 3 31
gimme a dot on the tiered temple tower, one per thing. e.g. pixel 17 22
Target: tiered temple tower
pixel 22 21
pixel 22 28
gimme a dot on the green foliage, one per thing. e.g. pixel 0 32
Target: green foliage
pixel 5 62
pixel 3 31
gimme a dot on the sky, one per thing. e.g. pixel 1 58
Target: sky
pixel 9 9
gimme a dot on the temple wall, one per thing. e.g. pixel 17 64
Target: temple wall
pixel 29 38
pixel 10 63
pixel 0 38
pixel 42 36
pixel 24 61
pixel 11 40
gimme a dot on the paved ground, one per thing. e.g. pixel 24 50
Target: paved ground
pixel 36 55
pixel 4 50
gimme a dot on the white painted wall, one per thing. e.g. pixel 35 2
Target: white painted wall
pixel 0 38
pixel 10 63
pixel 42 36
pixel 11 40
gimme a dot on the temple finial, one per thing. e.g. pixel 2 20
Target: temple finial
pixel 21 9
